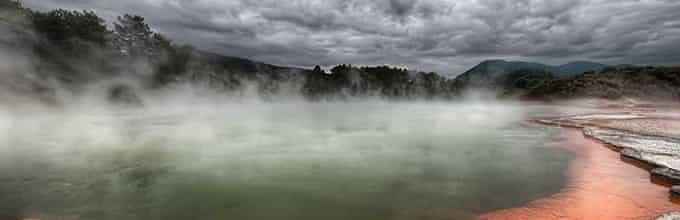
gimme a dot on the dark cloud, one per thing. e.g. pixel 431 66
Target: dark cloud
pixel 401 8
pixel 432 35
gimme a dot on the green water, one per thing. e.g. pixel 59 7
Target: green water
pixel 276 161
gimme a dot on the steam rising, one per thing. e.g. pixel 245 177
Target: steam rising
pixel 292 160
pixel 191 152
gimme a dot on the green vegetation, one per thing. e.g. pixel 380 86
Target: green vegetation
pixel 76 48
pixel 62 27
pixel 346 81
pixel 615 83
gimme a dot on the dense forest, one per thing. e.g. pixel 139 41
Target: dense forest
pixel 49 53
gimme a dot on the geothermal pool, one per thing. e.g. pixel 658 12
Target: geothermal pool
pixel 363 160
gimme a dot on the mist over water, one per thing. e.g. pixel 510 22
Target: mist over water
pixel 194 159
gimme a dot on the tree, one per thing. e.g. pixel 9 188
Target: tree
pixel 69 39
pixel 317 69
pixel 70 28
pixel 174 65
pixel 13 16
pixel 10 4
pixel 133 37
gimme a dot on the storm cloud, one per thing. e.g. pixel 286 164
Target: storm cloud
pixel 430 35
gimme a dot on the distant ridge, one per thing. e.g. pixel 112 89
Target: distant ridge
pixel 623 81
pixel 490 73
pixel 578 67
pixel 494 68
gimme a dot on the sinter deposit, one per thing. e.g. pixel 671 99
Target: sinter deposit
pixel 644 137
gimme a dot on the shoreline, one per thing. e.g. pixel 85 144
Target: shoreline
pixel 602 184
pixel 627 159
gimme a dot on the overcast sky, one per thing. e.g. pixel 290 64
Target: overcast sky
pixel 446 36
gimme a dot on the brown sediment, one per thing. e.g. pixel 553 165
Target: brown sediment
pixel 602 185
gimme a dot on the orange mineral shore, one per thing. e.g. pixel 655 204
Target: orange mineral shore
pixel 602 185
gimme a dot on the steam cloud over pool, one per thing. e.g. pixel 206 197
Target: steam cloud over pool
pixel 289 160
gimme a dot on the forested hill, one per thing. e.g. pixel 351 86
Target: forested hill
pixel 542 82
pixel 658 83
pixel 75 49
pixel 49 55
pixel 494 73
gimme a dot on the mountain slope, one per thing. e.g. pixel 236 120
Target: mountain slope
pixel 575 68
pixel 488 73
pixel 495 74
pixel 614 83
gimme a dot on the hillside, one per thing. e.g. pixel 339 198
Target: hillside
pixel 578 67
pixel 62 53
pixel 661 83
pixel 490 73
pixel 573 80
pixel 68 52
